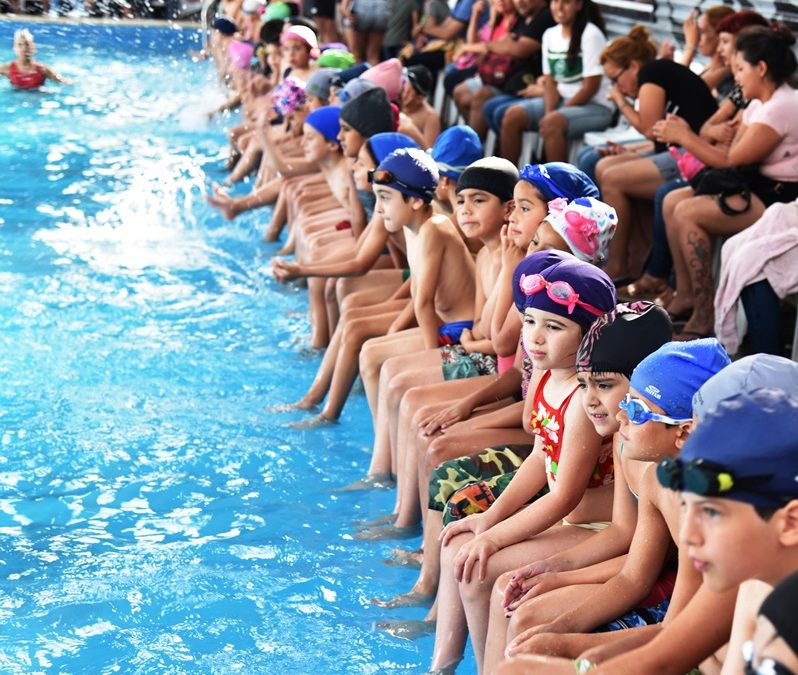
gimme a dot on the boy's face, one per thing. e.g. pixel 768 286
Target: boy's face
pixel 391 205
pixel 409 97
pixel 529 209
pixel 601 394
pixel 727 541
pixel 550 340
pixel 650 441
pixel 480 214
pixel 296 54
pixel 442 189
pixel 313 102
pixel 316 147
pixel 547 239
pixel 361 167
pixel 350 140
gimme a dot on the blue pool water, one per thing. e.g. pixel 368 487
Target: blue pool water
pixel 153 517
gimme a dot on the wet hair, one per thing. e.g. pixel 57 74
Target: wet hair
pixel 735 22
pixel 771 45
pixel 270 31
pixel 23 34
pixel 717 13
pixel 636 46
pixel 764 512
pixel 590 13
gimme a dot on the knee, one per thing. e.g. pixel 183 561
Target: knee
pixel 514 120
pixel 411 402
pixel 353 339
pixel 435 454
pixel 553 124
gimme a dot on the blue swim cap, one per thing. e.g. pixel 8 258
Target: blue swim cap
pixel 558 179
pixel 746 375
pixel 455 149
pixel 673 374
pixel 382 145
pixel 325 121
pixel 751 434
pixel 415 169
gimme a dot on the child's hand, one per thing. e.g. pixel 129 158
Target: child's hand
pixel 521 582
pixel 469 524
pixel 284 271
pixel 691 32
pixel 466 338
pixel 611 148
pixel 522 644
pixel 443 419
pixel 473 556
pixel 511 253
pixel 538 585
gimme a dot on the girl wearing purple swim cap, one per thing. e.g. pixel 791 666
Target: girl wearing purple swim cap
pixel 560 302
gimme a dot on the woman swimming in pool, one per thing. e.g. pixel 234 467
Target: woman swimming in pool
pixel 24 72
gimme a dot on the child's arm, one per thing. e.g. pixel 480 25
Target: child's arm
pixel 368 249
pixel 684 639
pixel 5 68
pixel 357 213
pixel 55 77
pixel 405 319
pixel 505 324
pixel 643 565
pixel 432 247
pixel 606 545
pixel 402 292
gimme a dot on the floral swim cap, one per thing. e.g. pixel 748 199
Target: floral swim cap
pixel 289 96
pixel 587 226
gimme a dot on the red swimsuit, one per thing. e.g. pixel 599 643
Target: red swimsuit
pixel 31 80
pixel 549 424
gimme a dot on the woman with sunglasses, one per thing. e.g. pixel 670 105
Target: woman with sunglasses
pixel 559 304
pixel 661 87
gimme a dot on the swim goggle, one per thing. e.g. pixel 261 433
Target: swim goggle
pixel 385 177
pixel 703 477
pixel 560 292
pixel 639 413
pixel 765 667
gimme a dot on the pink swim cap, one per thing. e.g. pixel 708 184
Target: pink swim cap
pixel 240 53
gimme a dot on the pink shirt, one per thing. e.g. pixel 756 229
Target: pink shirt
pixel 780 113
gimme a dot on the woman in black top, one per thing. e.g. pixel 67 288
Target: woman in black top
pixel 661 87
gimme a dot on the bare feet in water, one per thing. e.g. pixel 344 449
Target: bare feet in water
pixel 226 204
pixel 311 423
pixel 401 557
pixel 305 403
pixel 379 481
pixel 383 532
pixel 407 630
pixel 411 599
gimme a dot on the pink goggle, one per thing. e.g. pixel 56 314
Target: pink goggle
pixel 560 292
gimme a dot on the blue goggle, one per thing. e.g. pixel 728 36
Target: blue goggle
pixel 639 413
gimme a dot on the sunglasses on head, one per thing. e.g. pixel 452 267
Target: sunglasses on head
pixel 702 477
pixel 560 292
pixel 639 413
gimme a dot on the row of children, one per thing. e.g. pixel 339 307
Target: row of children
pixel 470 300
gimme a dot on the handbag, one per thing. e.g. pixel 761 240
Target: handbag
pixel 494 69
pixel 727 182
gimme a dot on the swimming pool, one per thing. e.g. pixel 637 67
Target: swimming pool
pixel 153 517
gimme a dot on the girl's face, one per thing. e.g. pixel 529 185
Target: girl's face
pixel 361 167
pixel 503 6
pixel 650 441
pixel 707 37
pixel 350 139
pixel 601 394
pixel 314 144
pixel 565 11
pixel 529 209
pixel 546 238
pixel 480 214
pixel 296 54
pixel 550 339
pixel 24 47
pixel 726 48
